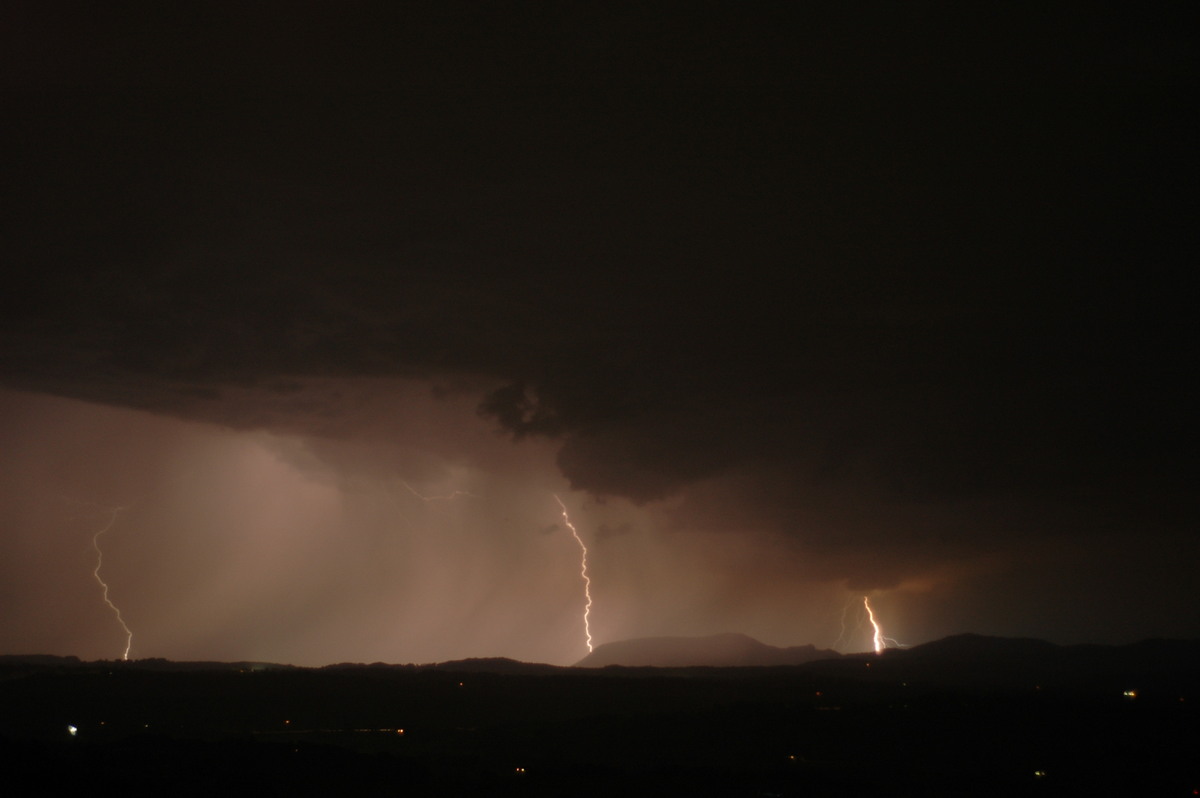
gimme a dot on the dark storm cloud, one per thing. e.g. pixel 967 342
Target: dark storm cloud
pixel 910 282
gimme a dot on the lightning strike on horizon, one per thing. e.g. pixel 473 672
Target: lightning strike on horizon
pixel 587 583
pixel 842 631
pixel 104 585
pixel 878 639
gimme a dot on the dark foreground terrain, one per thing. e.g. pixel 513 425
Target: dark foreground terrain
pixel 966 716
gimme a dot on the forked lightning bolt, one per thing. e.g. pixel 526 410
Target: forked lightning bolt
pixel 842 635
pixel 881 641
pixel 878 638
pixel 587 583
pixel 104 585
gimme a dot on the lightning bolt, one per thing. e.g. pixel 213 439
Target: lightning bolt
pixel 104 585
pixel 841 638
pixel 587 583
pixel 878 639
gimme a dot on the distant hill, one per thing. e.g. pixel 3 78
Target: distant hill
pixel 43 660
pixel 1012 654
pixel 502 665
pixel 721 651
pixel 972 661
pixel 964 660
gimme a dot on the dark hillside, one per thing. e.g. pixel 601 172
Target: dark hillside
pixel 963 716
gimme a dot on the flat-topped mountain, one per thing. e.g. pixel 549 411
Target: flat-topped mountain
pixel 721 650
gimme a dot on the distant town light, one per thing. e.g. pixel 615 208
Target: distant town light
pixel 71 730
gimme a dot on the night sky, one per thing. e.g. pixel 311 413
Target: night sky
pixel 787 306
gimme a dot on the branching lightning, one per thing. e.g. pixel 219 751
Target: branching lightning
pixel 879 641
pixel 843 633
pixel 587 583
pixel 104 585
pixel 878 638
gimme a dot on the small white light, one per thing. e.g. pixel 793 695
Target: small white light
pixel 71 730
